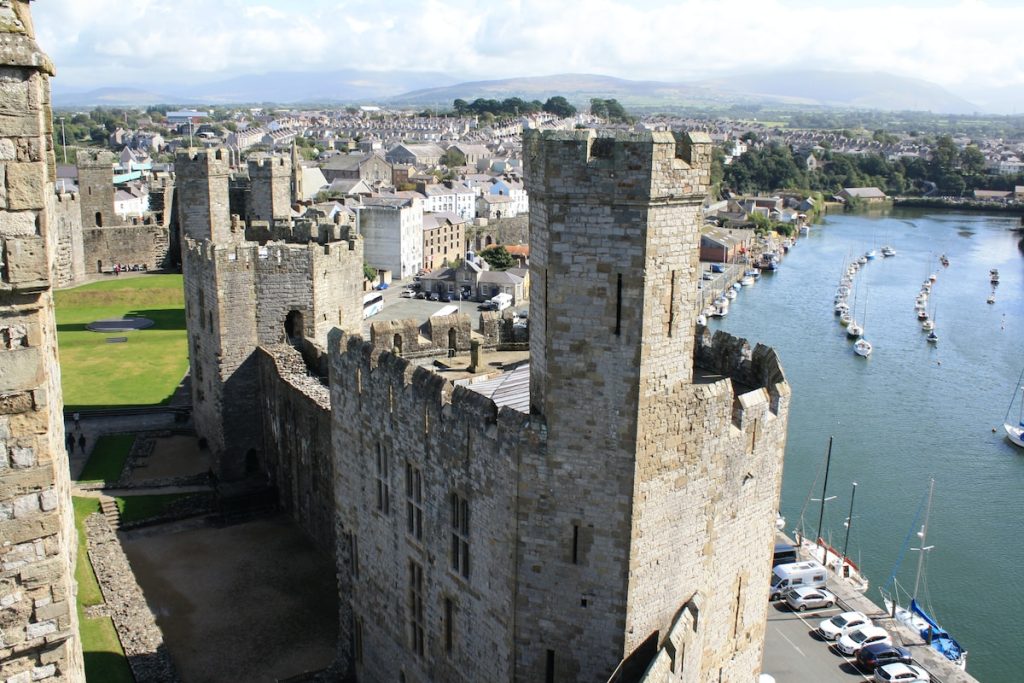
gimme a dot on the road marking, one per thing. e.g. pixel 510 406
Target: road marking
pixel 790 642
pixel 852 661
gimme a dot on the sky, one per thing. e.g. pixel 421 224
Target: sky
pixel 968 46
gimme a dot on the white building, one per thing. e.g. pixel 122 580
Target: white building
pixel 450 197
pixel 392 231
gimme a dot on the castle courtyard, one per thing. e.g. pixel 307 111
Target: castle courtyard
pixel 249 602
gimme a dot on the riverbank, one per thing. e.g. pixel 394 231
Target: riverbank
pixel 959 204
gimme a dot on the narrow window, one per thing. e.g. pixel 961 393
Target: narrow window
pixel 671 302
pixel 416 620
pixel 460 535
pixel 383 484
pixel 357 640
pixel 449 625
pixel 618 305
pixel 413 501
pixel 736 620
pixel 549 667
pixel 575 543
pixel 353 551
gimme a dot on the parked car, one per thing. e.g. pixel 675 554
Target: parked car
pixel 901 673
pixel 434 296
pixel 487 306
pixel 407 294
pixel 420 295
pixel 785 553
pixel 382 285
pixel 708 275
pixel 805 598
pixel 880 654
pixel 444 296
pixel 851 642
pixel 833 628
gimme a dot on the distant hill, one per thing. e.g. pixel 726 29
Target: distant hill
pixel 862 90
pixel 807 87
pixel 284 87
pixel 430 89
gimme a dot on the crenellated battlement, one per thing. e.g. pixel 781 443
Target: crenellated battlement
pixel 269 166
pixel 617 166
pixel 198 164
pixel 749 369
pixel 94 158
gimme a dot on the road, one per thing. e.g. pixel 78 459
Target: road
pixel 794 655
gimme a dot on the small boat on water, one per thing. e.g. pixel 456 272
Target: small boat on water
pixel 845 318
pixel 737 286
pixel 854 330
pixel 1015 432
pixel 702 319
pixel 862 347
pixel 888 251
pixel 928 325
pixel 944 261
pixel 932 338
pixel 993 276
pixel 731 294
pixel 747 280
pixel 922 314
pixel 871 255
pixel 991 298
pixel 862 260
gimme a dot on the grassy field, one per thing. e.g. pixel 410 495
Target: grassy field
pixel 143 371
pixel 104 659
pixel 107 458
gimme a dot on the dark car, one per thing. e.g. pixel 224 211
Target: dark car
pixel 873 656
pixel 487 306
pixel 784 554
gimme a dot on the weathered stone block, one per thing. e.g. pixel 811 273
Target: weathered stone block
pixel 8 152
pixel 20 370
pixel 53 611
pixel 43 672
pixel 48 500
pixel 26 506
pixel 23 458
pixel 40 629
pixel 26 260
pixel 21 530
pixel 26 186
pixel 22 677
pixel 16 223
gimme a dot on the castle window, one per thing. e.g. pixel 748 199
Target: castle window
pixel 413 501
pixel 357 639
pixel 417 628
pixel 383 485
pixel 353 553
pixel 460 535
pixel 549 667
pixel 449 625
pixel 618 305
pixel 99 219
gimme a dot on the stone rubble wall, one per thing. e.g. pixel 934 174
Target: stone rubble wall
pixel 38 623
pixel 69 257
pixel 141 638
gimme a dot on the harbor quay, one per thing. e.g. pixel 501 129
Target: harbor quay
pixel 794 652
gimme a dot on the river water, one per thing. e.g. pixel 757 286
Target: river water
pixel 910 412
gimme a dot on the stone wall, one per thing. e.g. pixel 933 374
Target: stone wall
pixel 69 256
pixel 39 628
pixel 437 336
pixel 498 231
pixel 393 426
pixel 270 188
pixel 141 244
pixel 296 413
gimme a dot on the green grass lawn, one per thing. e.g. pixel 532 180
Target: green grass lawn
pixel 143 371
pixel 107 458
pixel 104 658
pixel 137 508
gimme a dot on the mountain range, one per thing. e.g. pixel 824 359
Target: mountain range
pixel 863 90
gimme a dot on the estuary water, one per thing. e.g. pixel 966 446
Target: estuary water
pixel 910 412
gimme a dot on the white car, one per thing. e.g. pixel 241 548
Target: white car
pixel 901 673
pixel 852 641
pixel 833 628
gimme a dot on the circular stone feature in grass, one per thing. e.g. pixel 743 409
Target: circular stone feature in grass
pixel 119 324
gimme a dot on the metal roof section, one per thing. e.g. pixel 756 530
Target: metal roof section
pixel 510 389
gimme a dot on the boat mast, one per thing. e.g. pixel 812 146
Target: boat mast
pixel 924 537
pixel 849 522
pixel 824 489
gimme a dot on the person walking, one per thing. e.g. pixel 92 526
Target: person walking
pixel 76 417
pixel 81 442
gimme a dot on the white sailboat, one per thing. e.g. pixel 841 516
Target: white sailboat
pixel 916 617
pixel 862 347
pixel 1015 432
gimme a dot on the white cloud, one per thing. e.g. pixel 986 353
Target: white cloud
pixel 954 43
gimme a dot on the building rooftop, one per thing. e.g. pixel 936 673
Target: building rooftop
pixel 510 389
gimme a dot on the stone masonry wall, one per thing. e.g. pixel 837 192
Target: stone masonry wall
pixel 296 413
pixel 392 426
pixel 39 625
pixel 270 188
pixel 69 256
pixel 143 244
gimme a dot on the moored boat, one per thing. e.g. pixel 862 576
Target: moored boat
pixel 888 251
pixel 1015 432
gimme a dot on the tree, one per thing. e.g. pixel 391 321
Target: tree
pixel 498 258
pixel 369 272
pixel 972 160
pixel 559 106
pixel 453 157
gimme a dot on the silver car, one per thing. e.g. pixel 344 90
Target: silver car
pixel 805 598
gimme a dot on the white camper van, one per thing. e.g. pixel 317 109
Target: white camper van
pixel 796 575
pixel 501 301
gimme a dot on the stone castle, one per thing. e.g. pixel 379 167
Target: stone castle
pixel 38 622
pixel 609 516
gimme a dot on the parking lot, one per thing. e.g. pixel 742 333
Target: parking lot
pixel 795 653
pixel 397 307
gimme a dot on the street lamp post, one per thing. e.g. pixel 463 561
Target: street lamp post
pixel 63 141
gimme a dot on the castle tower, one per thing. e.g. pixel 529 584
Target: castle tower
pixel 220 305
pixel 96 187
pixel 298 192
pixel 640 485
pixel 271 193
pixel 39 629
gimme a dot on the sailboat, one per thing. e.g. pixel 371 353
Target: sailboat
pixel 933 337
pixel 915 616
pixel 862 347
pixel 1015 432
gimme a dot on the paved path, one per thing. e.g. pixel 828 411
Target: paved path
pixel 140 491
pixel 792 654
